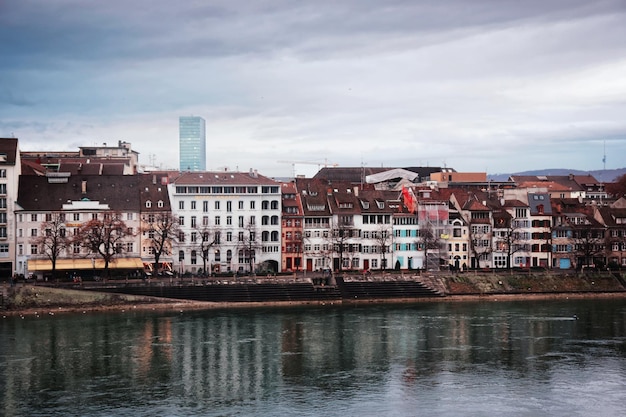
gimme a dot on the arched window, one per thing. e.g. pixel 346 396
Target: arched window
pixel 265 236
pixel 229 255
pixel 275 205
pixel 274 220
pixel 274 236
pixel 265 205
pixel 148 203
pixel 265 220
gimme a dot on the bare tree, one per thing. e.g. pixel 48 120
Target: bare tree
pixel 509 240
pixel 383 239
pixel 480 243
pixel 104 236
pixel 339 238
pixel 162 230
pixel 429 240
pixel 248 242
pixel 588 244
pixel 207 238
pixel 52 239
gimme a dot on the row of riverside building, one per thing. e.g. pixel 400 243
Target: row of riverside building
pixel 231 222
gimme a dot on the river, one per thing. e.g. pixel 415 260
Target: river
pixel 523 358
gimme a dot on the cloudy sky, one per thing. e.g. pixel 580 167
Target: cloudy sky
pixel 480 85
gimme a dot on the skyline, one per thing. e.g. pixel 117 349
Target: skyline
pixel 483 86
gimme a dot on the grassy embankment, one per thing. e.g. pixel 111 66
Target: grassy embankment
pixel 25 298
pixel 533 283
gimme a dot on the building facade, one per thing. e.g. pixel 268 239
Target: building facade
pixel 10 168
pixel 192 143
pixel 229 222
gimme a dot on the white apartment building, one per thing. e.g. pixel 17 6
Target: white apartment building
pixel 237 213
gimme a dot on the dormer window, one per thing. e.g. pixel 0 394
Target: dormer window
pixel 148 204
pixel 160 204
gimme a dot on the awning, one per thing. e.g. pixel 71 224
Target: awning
pixel 82 264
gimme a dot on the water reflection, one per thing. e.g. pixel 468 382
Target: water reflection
pixel 315 360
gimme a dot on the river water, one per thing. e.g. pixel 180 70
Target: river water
pixel 530 358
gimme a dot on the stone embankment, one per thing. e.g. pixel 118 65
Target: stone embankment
pixel 347 288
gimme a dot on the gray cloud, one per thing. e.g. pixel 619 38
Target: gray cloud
pixel 476 84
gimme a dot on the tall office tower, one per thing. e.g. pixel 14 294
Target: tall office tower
pixel 192 142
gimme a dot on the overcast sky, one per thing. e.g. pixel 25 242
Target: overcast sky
pixel 482 85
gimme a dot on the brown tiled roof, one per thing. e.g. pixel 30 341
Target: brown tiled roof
pixel 223 178
pixel 152 188
pixel 120 192
pixel 8 146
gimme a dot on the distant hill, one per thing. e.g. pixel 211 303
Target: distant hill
pixel 608 175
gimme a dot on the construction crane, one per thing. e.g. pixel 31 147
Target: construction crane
pixel 319 164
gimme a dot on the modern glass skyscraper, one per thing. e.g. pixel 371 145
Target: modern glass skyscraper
pixel 192 142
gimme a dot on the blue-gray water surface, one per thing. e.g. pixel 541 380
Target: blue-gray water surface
pixel 531 358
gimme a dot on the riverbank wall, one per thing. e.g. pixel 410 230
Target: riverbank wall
pixel 287 291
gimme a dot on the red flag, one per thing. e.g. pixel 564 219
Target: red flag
pixel 409 199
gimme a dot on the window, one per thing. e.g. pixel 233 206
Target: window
pixel 76 217
pixel 218 255
pixel 217 220
pixel 181 205
pixel 217 205
pixel 229 220
pixel 33 232
pixel 193 221
pixel 240 205
pixel 229 236
pixel 229 206
pixel 33 217
pixel 193 205
pixel 252 205
pixel 274 205
pixel 194 258
pixel 181 220
pixel 33 249
pixel 181 255
pixel 205 206
pixel 194 237
pixel 240 221
pixel 160 204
